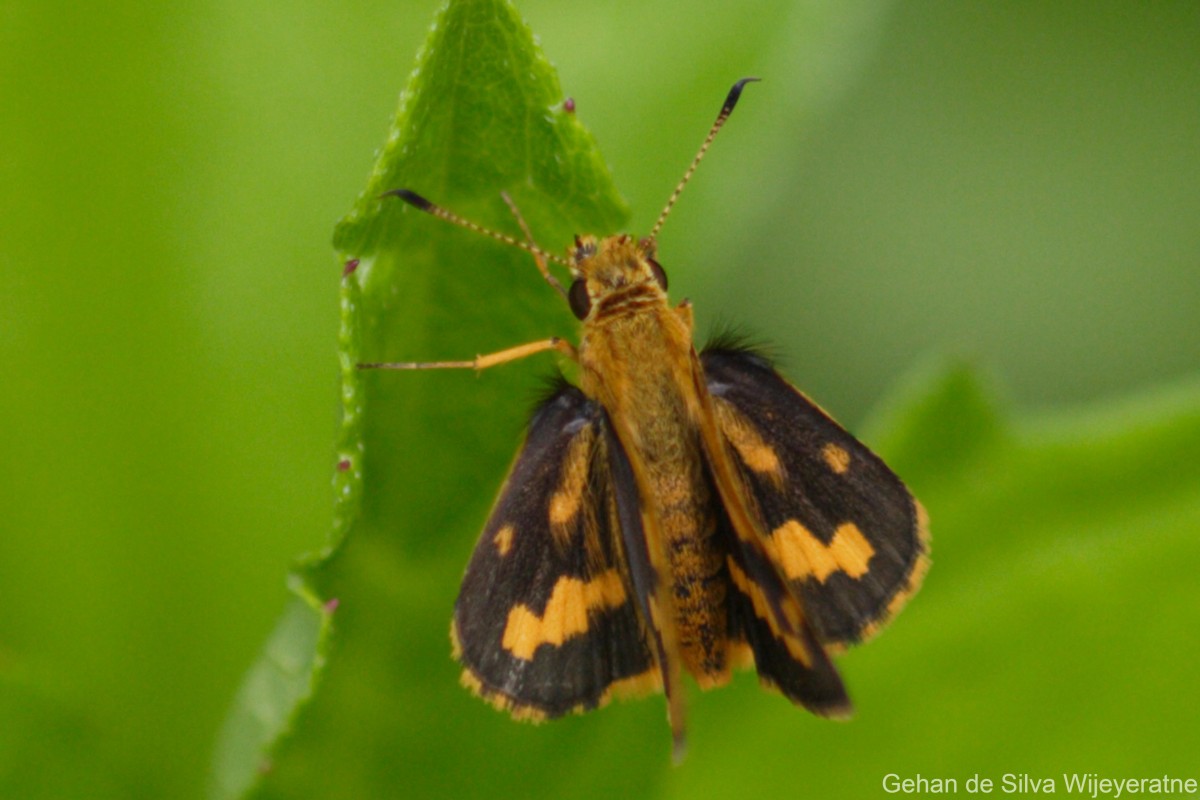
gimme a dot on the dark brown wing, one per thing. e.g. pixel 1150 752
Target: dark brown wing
pixel 545 622
pixel 842 530
pixel 766 616
pixel 792 661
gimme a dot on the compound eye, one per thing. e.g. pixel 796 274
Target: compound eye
pixel 660 274
pixel 578 298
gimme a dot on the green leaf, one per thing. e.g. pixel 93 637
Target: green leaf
pixel 49 747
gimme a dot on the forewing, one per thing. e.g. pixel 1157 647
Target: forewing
pixel 843 531
pixel 545 622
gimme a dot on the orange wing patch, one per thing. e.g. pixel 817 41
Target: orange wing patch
pixel 804 555
pixel 568 498
pixel 563 507
pixel 762 609
pixel 566 613
pixel 752 449
pixel 503 540
pixel 836 457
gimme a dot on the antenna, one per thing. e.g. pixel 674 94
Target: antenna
pixel 539 255
pixel 726 109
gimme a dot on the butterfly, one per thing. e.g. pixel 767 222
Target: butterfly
pixel 676 511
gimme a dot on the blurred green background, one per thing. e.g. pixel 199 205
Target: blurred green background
pixel 1016 183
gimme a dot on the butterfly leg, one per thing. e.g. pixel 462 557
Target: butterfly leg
pixel 490 360
pixel 538 258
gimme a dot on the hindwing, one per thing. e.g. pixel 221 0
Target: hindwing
pixel 787 655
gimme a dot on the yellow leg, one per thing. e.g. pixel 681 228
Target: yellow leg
pixel 489 360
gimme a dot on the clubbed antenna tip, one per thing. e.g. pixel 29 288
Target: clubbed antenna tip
pixel 726 109
pixel 410 197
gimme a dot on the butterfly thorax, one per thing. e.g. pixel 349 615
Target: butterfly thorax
pixel 637 359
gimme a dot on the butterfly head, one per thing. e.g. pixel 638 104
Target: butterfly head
pixel 615 264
